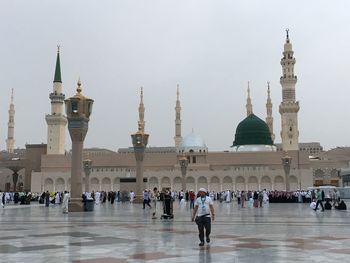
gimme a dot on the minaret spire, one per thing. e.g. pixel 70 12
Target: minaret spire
pixel 56 121
pixel 289 107
pixel 177 138
pixel 141 122
pixel 57 77
pixel 249 105
pixel 269 118
pixel 10 142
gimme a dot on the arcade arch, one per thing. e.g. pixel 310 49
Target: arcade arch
pixel 48 185
pixel 190 183
pixel 253 184
pixel 106 184
pixel 60 185
pixel 279 183
pixel 240 183
pixel 94 184
pixel 266 183
pixel 215 184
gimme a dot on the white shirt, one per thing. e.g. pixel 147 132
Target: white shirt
pixel 203 205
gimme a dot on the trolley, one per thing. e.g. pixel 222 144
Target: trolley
pixel 167 207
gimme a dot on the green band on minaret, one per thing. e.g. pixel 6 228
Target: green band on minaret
pixel 58 69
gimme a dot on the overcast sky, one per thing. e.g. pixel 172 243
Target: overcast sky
pixel 210 48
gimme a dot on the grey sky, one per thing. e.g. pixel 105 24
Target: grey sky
pixel 210 48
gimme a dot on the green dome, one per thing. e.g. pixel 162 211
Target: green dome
pixel 252 130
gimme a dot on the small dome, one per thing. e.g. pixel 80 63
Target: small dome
pixel 252 131
pixel 193 142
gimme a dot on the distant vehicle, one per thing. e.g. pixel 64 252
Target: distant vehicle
pixel 15 159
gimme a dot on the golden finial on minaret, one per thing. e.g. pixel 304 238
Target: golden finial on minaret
pixel 287 33
pixel 79 86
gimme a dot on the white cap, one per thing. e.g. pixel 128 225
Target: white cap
pixel 202 190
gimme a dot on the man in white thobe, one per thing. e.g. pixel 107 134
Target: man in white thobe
pixel 228 196
pixel 132 196
pixel 65 202
pixel 1 199
pixel 97 198
pixel 57 199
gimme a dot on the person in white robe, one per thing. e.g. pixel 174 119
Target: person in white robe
pixel 132 196
pixel 265 197
pixel 7 198
pixel 228 196
pixel 97 198
pixel 1 198
pixel 57 199
pixel 65 202
pixel 88 195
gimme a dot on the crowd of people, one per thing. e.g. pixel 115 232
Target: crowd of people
pixel 243 198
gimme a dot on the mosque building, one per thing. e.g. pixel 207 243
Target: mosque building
pixel 253 163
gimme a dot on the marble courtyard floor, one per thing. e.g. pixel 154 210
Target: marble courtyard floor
pixel 125 232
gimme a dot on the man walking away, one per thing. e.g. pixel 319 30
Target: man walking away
pixel 192 197
pixel 205 209
pixel 146 199
pixel 319 199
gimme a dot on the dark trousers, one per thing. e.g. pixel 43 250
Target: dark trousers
pixel 191 204
pixel 319 202
pixel 145 202
pixel 204 222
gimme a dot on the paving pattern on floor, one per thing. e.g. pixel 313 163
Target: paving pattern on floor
pixel 125 232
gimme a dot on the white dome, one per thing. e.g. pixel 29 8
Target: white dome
pixel 193 142
pixel 255 148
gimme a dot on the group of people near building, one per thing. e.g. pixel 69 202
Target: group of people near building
pixel 332 199
pixel 57 198
pixel 22 198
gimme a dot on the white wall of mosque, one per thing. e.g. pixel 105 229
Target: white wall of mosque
pixel 232 179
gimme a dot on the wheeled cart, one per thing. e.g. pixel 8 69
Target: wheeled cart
pixel 167 207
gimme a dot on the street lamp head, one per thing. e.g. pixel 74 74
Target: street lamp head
pixel 78 106
pixel 139 139
pixel 183 161
pixel 286 159
pixel 87 163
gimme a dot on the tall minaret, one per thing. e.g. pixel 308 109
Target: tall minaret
pixel 56 121
pixel 10 142
pixel 269 118
pixel 141 121
pixel 289 107
pixel 249 105
pixel 177 138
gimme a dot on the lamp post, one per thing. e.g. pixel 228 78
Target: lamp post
pixel 286 161
pixel 87 170
pixel 139 142
pixel 78 109
pixel 15 179
pixel 183 161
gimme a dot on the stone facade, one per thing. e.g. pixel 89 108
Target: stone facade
pixel 217 171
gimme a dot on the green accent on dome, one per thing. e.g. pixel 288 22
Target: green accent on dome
pixel 57 77
pixel 252 130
